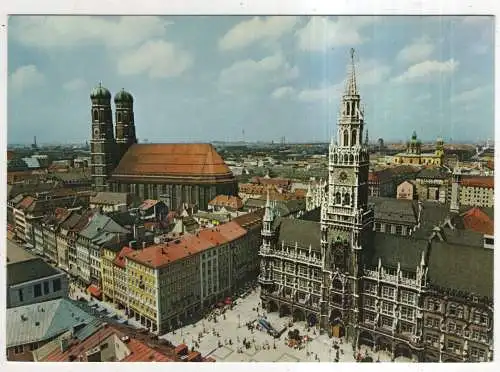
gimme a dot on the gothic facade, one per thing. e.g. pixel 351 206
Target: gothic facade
pixel 397 293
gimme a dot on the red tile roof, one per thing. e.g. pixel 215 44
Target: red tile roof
pixel 25 203
pixel 146 204
pixel 140 352
pixel 160 255
pixel 475 219
pixel 250 220
pixel 172 160
pixel 233 202
pixel 120 257
pixel 488 182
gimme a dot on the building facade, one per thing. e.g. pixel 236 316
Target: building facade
pixel 415 156
pixel 477 191
pixel 375 287
pixel 34 281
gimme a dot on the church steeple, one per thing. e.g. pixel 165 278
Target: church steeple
pixel 351 83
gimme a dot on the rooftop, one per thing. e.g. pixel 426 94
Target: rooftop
pixel 41 321
pixel 109 198
pixel 25 271
pixel 488 182
pixel 160 255
pixel 16 253
pixel 172 160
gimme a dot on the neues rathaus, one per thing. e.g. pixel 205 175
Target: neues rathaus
pixel 427 296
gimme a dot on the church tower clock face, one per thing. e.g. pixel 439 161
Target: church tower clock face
pixel 343 176
pixel 96 132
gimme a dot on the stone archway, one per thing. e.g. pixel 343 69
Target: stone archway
pixel 298 315
pixel 285 310
pixel 402 351
pixel 366 338
pixel 383 343
pixel 336 324
pixel 272 306
pixel 312 320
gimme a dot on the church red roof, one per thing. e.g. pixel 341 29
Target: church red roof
pixel 196 161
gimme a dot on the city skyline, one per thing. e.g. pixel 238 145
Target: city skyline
pixel 229 78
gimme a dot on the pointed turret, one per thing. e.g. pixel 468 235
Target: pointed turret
pixel 351 88
pixel 268 214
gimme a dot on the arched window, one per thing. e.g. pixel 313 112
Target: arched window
pixel 345 159
pixel 338 198
pixel 95 115
pixel 335 158
pixel 348 108
pixel 347 199
pixel 346 138
pixel 351 159
pixel 119 117
pixel 354 140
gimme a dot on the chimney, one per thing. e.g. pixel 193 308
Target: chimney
pixel 64 344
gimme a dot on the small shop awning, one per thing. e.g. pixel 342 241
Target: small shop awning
pixel 94 291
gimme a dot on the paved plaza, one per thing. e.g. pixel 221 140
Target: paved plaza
pixel 223 340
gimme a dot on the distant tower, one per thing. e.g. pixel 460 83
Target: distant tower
pixel 455 189
pixel 124 119
pixel 102 144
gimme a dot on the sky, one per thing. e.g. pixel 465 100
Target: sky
pixel 233 78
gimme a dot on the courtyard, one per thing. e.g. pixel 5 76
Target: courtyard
pixel 229 339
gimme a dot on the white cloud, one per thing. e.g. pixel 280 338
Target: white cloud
pixel 423 97
pixel 328 93
pixel 74 85
pixel 424 70
pixel 322 33
pixel 158 59
pixel 471 95
pixel 257 29
pixel 73 31
pixel 419 50
pixel 283 92
pixel 25 77
pixel 252 74
pixel 369 72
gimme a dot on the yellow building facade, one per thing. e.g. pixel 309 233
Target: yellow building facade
pixel 415 156
pixel 107 277
pixel 142 280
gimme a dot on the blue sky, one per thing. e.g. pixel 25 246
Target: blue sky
pixel 211 78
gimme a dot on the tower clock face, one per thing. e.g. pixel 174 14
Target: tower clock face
pixel 343 176
pixel 96 132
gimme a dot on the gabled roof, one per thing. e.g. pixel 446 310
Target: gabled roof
pixel 120 257
pixel 233 202
pixel 392 209
pixel 41 321
pixel 461 267
pixel 392 249
pixel 101 228
pixel 149 203
pixel 250 220
pixel 477 220
pixel 304 233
